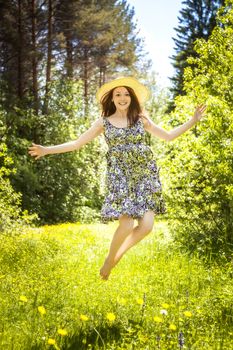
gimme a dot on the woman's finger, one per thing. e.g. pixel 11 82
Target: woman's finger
pixel 202 107
pixel 34 154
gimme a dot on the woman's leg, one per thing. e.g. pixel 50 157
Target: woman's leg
pixel 145 226
pixel 125 227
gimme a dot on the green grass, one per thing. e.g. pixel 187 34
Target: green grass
pixel 155 293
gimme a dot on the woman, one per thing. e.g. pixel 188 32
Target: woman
pixel 134 189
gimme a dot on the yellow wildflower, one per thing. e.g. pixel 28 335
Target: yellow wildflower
pixel 165 305
pixel 62 332
pixel 84 318
pixel 110 316
pixel 41 310
pixel 158 319
pixel 140 301
pixel 51 341
pixel 23 298
pixel 172 327
pixel 188 313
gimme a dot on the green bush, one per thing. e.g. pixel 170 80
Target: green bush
pixel 62 187
pixel 199 188
pixel 12 218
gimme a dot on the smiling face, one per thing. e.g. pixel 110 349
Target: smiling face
pixel 121 98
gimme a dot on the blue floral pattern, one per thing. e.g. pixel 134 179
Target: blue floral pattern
pixel 132 180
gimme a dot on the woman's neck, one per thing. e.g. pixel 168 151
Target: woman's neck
pixel 121 114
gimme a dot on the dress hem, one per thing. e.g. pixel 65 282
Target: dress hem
pixel 105 219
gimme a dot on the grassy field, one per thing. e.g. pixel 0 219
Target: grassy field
pixel 51 295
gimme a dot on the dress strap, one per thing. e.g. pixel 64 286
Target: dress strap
pixel 104 121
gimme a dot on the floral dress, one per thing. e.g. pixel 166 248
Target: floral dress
pixel 132 180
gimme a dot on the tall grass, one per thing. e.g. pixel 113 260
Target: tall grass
pixel 156 298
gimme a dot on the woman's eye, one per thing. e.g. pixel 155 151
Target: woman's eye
pixel 117 95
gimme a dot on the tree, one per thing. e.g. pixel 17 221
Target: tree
pixel 197 20
pixel 96 47
pixel 199 189
pixel 52 39
pixel 21 39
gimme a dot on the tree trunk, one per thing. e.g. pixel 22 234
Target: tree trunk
pixel 34 57
pixel 69 58
pixel 49 57
pixel 20 42
pixel 100 77
pixel 85 78
pixel 104 75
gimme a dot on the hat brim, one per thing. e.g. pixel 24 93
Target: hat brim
pixel 140 90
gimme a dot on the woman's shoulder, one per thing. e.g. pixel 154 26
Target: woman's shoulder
pixel 99 123
pixel 145 119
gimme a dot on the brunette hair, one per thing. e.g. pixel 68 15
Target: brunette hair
pixel 134 111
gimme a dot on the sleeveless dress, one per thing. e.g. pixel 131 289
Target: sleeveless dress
pixel 132 179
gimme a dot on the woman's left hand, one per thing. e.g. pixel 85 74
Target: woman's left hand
pixel 199 112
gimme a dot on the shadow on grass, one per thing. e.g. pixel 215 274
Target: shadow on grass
pixel 97 337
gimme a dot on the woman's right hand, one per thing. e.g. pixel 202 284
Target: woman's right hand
pixel 37 151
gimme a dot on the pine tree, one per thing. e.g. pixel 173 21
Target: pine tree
pixel 98 37
pixel 197 20
pixel 21 42
pixel 50 39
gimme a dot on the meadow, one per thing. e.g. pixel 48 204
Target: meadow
pixel 158 297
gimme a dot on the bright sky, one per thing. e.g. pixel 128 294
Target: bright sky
pixel 156 20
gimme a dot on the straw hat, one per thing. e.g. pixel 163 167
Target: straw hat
pixel 140 90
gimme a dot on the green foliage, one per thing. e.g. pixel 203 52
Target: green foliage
pixel 197 20
pixel 62 187
pixel 200 163
pixel 50 286
pixel 12 218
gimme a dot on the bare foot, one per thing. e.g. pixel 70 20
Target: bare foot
pixel 106 269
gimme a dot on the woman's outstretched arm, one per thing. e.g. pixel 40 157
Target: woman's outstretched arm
pixel 96 129
pixel 171 135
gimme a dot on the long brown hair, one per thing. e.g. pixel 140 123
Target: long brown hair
pixel 134 111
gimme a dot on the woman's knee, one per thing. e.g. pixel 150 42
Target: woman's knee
pixel 126 222
pixel 145 229
pixel 146 223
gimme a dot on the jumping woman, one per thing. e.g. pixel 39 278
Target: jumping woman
pixel 133 187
